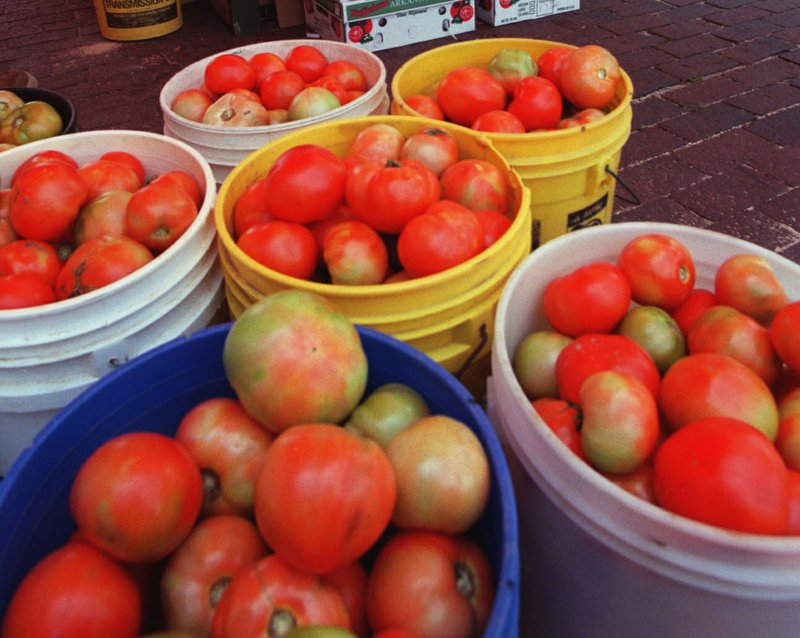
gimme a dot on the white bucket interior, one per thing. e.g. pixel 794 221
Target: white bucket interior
pixel 596 560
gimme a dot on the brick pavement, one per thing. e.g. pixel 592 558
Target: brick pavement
pixel 715 140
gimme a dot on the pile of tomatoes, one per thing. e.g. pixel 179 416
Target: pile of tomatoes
pixel 269 89
pixel 392 208
pixel 686 397
pixel 239 526
pixel 564 87
pixel 68 228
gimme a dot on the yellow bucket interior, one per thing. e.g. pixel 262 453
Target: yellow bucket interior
pixel 449 315
pixel 570 172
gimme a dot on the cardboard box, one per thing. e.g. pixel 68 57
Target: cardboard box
pixel 386 24
pixel 497 12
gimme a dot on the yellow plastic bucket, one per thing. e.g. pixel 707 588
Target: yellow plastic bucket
pixel 449 316
pixel 570 172
pixel 138 19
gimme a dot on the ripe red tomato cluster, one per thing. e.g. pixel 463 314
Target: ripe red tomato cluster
pixel 390 209
pixel 565 87
pixel 269 89
pixel 684 396
pixel 68 228
pixel 231 530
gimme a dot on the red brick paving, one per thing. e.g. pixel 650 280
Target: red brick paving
pixel 716 128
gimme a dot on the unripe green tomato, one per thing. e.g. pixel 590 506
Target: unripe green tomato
pixel 534 363
pixel 657 332
pixel 389 409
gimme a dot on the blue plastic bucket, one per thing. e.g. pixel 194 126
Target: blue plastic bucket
pixel 155 390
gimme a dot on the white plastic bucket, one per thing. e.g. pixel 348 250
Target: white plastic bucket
pixel 49 354
pixel 597 561
pixel 224 147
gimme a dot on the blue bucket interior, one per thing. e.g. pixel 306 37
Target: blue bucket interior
pixel 155 390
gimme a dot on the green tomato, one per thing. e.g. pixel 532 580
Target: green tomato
pixel 657 332
pixel 320 631
pixel 534 363
pixel 386 411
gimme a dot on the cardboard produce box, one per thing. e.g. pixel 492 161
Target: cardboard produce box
pixel 385 24
pixel 497 12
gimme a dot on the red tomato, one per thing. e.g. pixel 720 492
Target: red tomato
pixel 320 229
pixel 721 471
pixel 794 503
pixel 251 207
pixel 286 247
pixel 305 184
pixel 137 496
pixel 158 215
pixel 48 155
pixel 184 181
pixel 434 585
pixel 30 256
pixel 75 591
pixel 388 196
pixel 99 262
pixel 748 283
pixel 104 215
pixel 228 446
pixel 324 496
pixel 784 334
pixel 24 290
pixel 442 475
pixel 788 439
pixel 494 225
pixel 697 302
pixel 425 105
pixel 348 74
pixel 591 353
pixel 228 71
pixel 445 235
pixel 199 571
pixel 279 89
pixel 433 146
pixel 711 384
pixel 537 103
pixel 589 77
pixel 619 430
pixel 498 122
pixel 102 176
pixel 466 92
pixel 564 419
pixel 375 143
pixel 7 232
pixel 660 270
pixel 354 254
pixel 351 582
pixel 551 61
pixel 45 200
pixel 727 331
pixel 264 64
pixel 639 483
pixel 307 61
pixel 269 596
pixel 477 184
pixel 334 86
pixel 128 159
pixel 591 299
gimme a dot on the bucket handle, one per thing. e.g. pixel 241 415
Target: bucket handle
pixel 634 197
pixel 483 333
